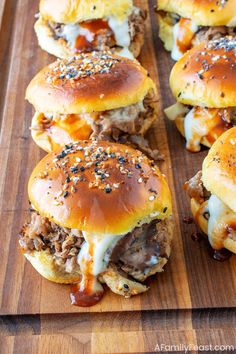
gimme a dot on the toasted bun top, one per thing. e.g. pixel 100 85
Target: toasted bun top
pixel 88 82
pixel 206 75
pixel 99 187
pixel 219 168
pixel 203 12
pixel 72 11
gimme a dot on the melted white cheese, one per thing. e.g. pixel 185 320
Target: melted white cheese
pixel 72 31
pixel 152 261
pixel 194 130
pixel 176 53
pixel 99 245
pixel 120 30
pixel 125 52
pixel 199 123
pixel 217 209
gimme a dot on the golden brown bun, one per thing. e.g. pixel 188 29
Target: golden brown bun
pixel 203 12
pixel 48 42
pixel 123 83
pixel 137 196
pixel 218 172
pixel 65 11
pixel 202 77
pixel 45 264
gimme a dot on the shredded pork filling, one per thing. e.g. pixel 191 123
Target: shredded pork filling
pixel 135 254
pixel 123 125
pixel 196 189
pixel 105 37
pixel 211 33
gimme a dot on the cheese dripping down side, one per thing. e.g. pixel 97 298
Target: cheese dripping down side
pixel 92 262
pixel 199 123
pixel 183 33
pixel 218 220
pixel 121 32
pixel 205 123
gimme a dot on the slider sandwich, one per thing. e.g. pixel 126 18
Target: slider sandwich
pixel 101 213
pixel 186 23
pixel 94 95
pixel 203 82
pixel 213 193
pixel 65 28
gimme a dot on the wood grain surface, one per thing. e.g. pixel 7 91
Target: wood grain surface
pixel 192 279
pixel 125 332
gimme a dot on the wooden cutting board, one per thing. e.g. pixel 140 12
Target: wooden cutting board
pixel 192 279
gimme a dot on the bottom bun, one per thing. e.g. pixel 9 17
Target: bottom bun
pixel 198 211
pixel 47 41
pixel 44 263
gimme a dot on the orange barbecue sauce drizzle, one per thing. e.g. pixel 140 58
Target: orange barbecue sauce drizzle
pixel 214 126
pixel 62 131
pixel 185 35
pixel 231 228
pixel 94 26
pixel 220 127
pixel 88 292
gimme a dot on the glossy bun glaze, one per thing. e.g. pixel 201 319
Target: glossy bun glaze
pixel 65 11
pixel 87 83
pixel 219 169
pixel 206 75
pixel 203 12
pixel 99 187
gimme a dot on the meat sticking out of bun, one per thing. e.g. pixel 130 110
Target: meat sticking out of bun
pixel 94 95
pixel 65 28
pixel 213 193
pixel 203 82
pixel 184 24
pixel 101 213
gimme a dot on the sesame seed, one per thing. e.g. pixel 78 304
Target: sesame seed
pixel 152 197
pixel 81 66
pixel 108 189
pixel 74 169
pixel 57 203
pixel 140 180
